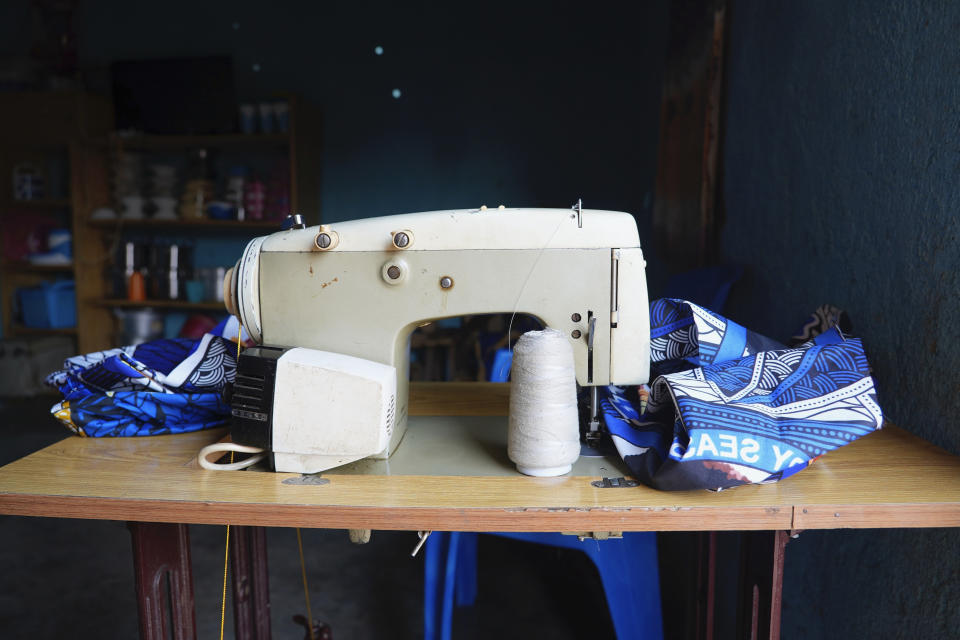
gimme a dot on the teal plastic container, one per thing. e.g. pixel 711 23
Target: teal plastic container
pixel 52 305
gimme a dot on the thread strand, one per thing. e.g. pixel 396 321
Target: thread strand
pixel 226 547
pixel 306 591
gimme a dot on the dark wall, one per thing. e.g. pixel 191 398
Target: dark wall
pixel 842 185
pixel 519 103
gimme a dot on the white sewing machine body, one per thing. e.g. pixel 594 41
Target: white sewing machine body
pixel 364 293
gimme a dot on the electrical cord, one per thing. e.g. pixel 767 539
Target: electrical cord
pixel 221 447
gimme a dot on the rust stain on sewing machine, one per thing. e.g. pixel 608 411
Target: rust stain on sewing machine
pixel 323 285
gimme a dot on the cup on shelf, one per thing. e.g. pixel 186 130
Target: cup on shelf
pixel 139 325
pixel 219 210
pixel 132 208
pixel 165 208
pixel 167 171
pixel 212 279
pixel 248 118
pixel 281 112
pixel 195 290
pixel 267 117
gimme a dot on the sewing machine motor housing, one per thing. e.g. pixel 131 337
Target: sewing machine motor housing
pixel 283 398
pixel 361 287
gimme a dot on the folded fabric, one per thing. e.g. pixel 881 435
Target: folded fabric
pixel 162 386
pixel 683 335
pixel 737 408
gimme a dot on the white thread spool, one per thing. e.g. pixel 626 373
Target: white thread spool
pixel 544 433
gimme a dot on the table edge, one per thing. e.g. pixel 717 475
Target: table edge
pixel 404 518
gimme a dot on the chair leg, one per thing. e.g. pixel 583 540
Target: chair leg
pixel 449 583
pixel 467 569
pixel 627 567
pixel 434 553
pixel 631 582
pixel 439 583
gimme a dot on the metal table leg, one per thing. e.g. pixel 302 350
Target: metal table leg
pixel 164 580
pixel 706 585
pixel 762 555
pixel 251 586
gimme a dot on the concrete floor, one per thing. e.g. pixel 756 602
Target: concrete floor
pixel 74 578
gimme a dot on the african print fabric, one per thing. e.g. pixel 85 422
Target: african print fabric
pixel 162 386
pixel 733 407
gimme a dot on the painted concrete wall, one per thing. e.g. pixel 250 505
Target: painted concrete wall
pixel 531 104
pixel 842 185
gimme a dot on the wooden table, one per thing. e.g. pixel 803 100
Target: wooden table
pixel 451 474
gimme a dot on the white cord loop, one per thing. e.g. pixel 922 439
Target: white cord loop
pixel 220 447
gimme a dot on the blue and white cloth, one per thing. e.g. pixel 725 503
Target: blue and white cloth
pixel 162 386
pixel 732 407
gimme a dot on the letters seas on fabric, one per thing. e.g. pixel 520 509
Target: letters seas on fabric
pixel 732 407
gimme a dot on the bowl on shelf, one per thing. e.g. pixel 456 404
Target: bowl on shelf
pixel 219 210
pixel 139 326
pixel 164 208
pixel 132 208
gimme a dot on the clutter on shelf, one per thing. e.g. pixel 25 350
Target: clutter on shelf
pixel 199 184
pixel 163 269
pixel 265 117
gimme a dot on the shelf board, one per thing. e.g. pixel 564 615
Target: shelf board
pixel 21 330
pixel 40 203
pixel 27 267
pixel 199 223
pixel 162 304
pixel 148 142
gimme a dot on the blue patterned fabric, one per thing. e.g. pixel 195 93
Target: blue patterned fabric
pixel 684 335
pixel 735 407
pixel 162 386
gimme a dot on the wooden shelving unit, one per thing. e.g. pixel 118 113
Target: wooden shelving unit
pixel 176 142
pixel 20 330
pixel 47 128
pixel 178 305
pixel 300 147
pixel 177 225
pixel 42 203
pixel 28 267
pixel 78 127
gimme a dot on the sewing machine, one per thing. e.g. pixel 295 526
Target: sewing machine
pixel 361 287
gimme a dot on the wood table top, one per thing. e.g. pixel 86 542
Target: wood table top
pixel 886 479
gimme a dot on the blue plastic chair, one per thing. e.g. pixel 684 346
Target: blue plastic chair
pixel 500 368
pixel 627 568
